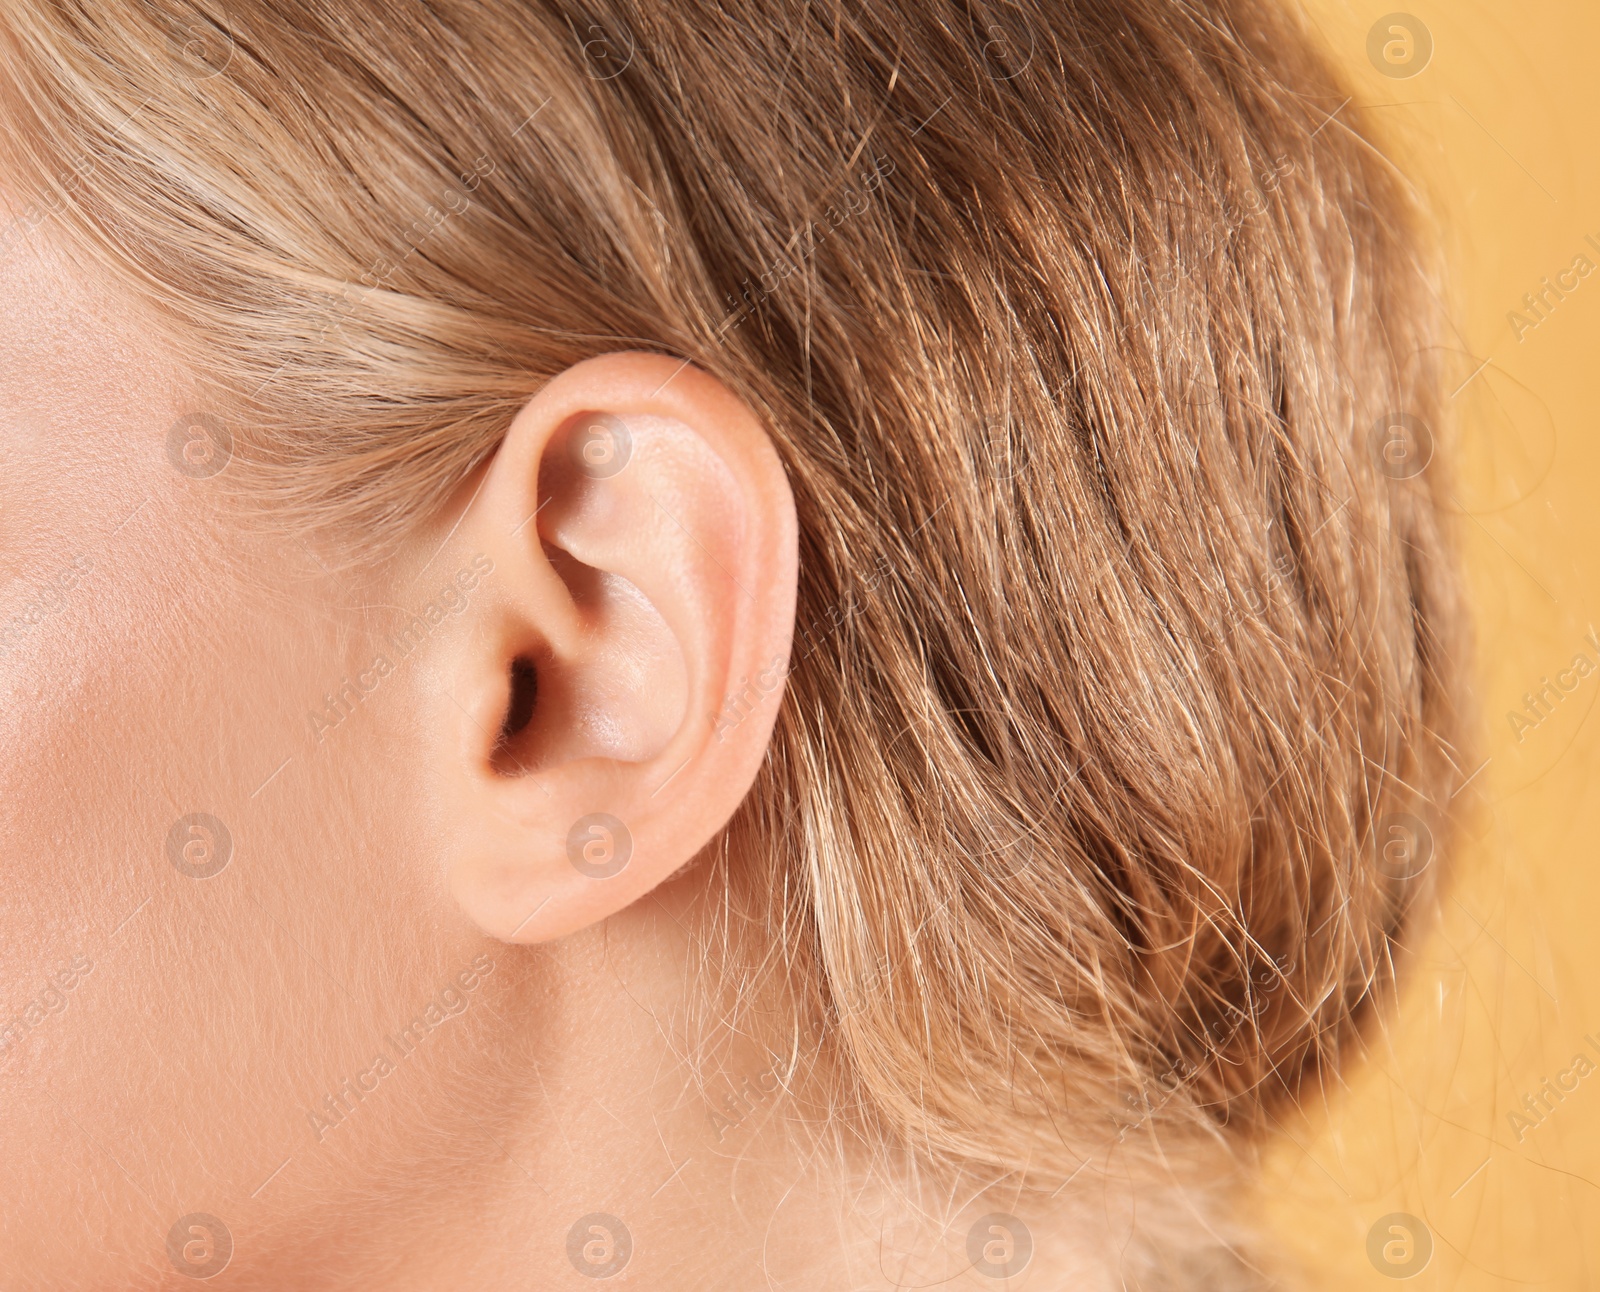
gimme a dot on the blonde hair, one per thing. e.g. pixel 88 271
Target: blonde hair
pixel 1087 334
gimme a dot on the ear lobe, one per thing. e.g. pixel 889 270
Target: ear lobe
pixel 643 537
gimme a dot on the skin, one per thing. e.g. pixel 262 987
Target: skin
pixel 390 866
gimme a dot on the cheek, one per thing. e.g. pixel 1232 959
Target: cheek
pixel 166 815
pixel 238 904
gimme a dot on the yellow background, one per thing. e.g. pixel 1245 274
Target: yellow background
pixel 1502 127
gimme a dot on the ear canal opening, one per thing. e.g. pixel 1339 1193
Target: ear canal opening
pixel 524 694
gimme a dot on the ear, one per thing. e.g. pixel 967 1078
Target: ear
pixel 617 683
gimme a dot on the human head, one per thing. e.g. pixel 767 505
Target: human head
pixel 879 522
